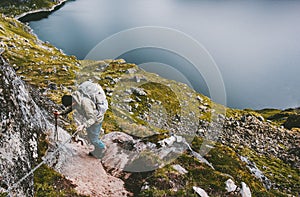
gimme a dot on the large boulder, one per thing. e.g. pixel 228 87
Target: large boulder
pixel 124 153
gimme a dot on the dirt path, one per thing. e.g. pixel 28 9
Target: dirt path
pixel 89 175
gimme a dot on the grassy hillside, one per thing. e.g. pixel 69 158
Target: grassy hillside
pixel 54 73
pixel 38 63
pixel 16 7
pixel 280 117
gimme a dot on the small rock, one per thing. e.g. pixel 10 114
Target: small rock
pixel 168 141
pixel 203 108
pixel 52 86
pixel 199 99
pixel 245 191
pixel 138 91
pixel 131 71
pixel 179 169
pixel 128 100
pixel 145 186
pixel 260 118
pixel 230 185
pixel 1 50
pixel 200 191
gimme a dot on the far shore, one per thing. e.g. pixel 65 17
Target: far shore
pixel 23 15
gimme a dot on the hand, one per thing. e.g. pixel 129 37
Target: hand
pixel 80 128
pixel 56 113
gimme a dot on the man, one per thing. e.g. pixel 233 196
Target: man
pixel 94 116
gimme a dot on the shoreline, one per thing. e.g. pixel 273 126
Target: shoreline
pixel 23 15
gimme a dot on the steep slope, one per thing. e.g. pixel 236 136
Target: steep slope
pixel 158 115
pixel 24 127
pixel 22 123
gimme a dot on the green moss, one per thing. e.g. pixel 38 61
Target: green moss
pixel 38 63
pixel 3 194
pixel 164 94
pixel 266 113
pixel 48 182
pixel 168 182
pixel 42 145
pixel 278 117
pixel 227 165
pixel 286 177
pixel 225 160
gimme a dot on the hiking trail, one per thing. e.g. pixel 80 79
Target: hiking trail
pixel 87 172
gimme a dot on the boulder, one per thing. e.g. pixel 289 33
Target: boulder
pixel 127 154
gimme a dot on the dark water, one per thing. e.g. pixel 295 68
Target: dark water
pixel 256 44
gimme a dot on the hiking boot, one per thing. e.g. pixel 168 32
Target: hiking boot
pixel 97 154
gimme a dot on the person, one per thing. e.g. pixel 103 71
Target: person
pixel 94 117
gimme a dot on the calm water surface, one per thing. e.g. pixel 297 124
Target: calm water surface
pixel 256 44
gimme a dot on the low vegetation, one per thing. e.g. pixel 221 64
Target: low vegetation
pixel 13 8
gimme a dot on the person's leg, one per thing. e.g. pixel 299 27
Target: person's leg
pixel 93 135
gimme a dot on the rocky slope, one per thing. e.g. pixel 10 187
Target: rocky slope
pixel 162 137
pixel 22 122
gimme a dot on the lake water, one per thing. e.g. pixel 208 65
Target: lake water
pixel 255 44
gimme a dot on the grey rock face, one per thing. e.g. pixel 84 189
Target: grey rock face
pixel 21 124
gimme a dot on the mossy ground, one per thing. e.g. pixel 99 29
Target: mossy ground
pixel 49 183
pixel 226 163
pixel 277 116
pixel 38 63
pixel 168 182
pixel 286 177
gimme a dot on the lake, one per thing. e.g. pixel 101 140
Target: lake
pixel 255 44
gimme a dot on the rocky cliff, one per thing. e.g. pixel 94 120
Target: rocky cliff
pixel 22 123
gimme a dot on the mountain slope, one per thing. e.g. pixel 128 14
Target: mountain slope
pixel 14 8
pixel 161 114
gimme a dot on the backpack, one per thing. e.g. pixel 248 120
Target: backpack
pixel 94 92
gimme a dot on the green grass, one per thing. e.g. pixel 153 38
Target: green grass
pixel 278 117
pixel 277 171
pixel 38 63
pixel 3 194
pixel 227 165
pixel 48 183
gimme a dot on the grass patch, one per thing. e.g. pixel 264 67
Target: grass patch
pixel 48 183
pixel 283 175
